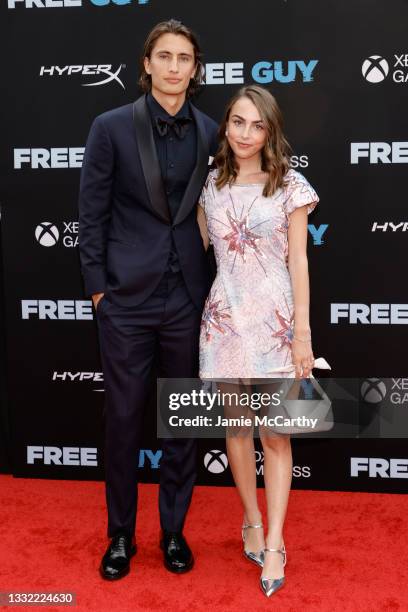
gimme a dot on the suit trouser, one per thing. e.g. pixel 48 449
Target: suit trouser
pixel 165 326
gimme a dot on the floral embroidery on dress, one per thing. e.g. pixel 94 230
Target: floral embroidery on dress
pixel 213 317
pixel 242 239
pixel 284 334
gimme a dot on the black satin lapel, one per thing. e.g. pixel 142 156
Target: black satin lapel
pixel 199 173
pixel 149 160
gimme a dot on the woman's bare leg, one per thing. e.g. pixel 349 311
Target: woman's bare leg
pixel 277 477
pixel 241 457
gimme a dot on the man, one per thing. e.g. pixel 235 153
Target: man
pixel 145 266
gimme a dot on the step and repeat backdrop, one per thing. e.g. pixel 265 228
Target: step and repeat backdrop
pixel 339 70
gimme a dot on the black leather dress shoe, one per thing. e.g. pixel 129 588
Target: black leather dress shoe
pixel 116 560
pixel 178 557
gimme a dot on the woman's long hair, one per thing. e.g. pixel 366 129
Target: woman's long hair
pixel 275 155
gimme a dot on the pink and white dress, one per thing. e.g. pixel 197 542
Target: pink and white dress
pixel 247 322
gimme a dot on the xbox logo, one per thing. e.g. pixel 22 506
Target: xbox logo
pixel 375 69
pixel 216 461
pixel 373 390
pixel 47 234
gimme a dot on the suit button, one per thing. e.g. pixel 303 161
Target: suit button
pixel 171 165
pixel 173 228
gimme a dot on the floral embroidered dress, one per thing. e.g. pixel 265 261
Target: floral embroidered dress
pixel 247 322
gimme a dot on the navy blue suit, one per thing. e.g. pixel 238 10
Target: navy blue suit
pixel 148 313
pixel 125 221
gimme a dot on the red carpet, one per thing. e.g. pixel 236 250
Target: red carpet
pixel 346 551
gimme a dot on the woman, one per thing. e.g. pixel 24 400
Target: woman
pixel 253 209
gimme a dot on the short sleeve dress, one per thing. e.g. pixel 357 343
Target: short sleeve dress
pixel 248 317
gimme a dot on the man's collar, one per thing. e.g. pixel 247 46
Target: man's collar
pixel 156 110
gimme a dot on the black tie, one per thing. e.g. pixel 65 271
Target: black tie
pixel 179 125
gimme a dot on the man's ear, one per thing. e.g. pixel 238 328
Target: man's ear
pixel 146 63
pixel 194 72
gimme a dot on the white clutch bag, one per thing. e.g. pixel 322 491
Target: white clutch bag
pixel 314 409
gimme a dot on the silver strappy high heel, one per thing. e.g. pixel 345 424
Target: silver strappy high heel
pixel 271 585
pixel 257 558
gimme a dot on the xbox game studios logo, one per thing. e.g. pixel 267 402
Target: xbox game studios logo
pixel 373 390
pixel 375 68
pixel 216 461
pixel 388 390
pixel 47 234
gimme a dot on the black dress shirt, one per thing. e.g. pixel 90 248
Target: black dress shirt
pixel 177 159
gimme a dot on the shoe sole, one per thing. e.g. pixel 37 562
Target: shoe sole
pixel 178 570
pixel 120 575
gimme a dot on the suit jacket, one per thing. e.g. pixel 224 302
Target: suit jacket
pixel 124 219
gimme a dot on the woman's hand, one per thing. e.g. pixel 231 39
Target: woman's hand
pixel 302 358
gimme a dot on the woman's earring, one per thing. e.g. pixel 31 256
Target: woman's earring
pixel 226 132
